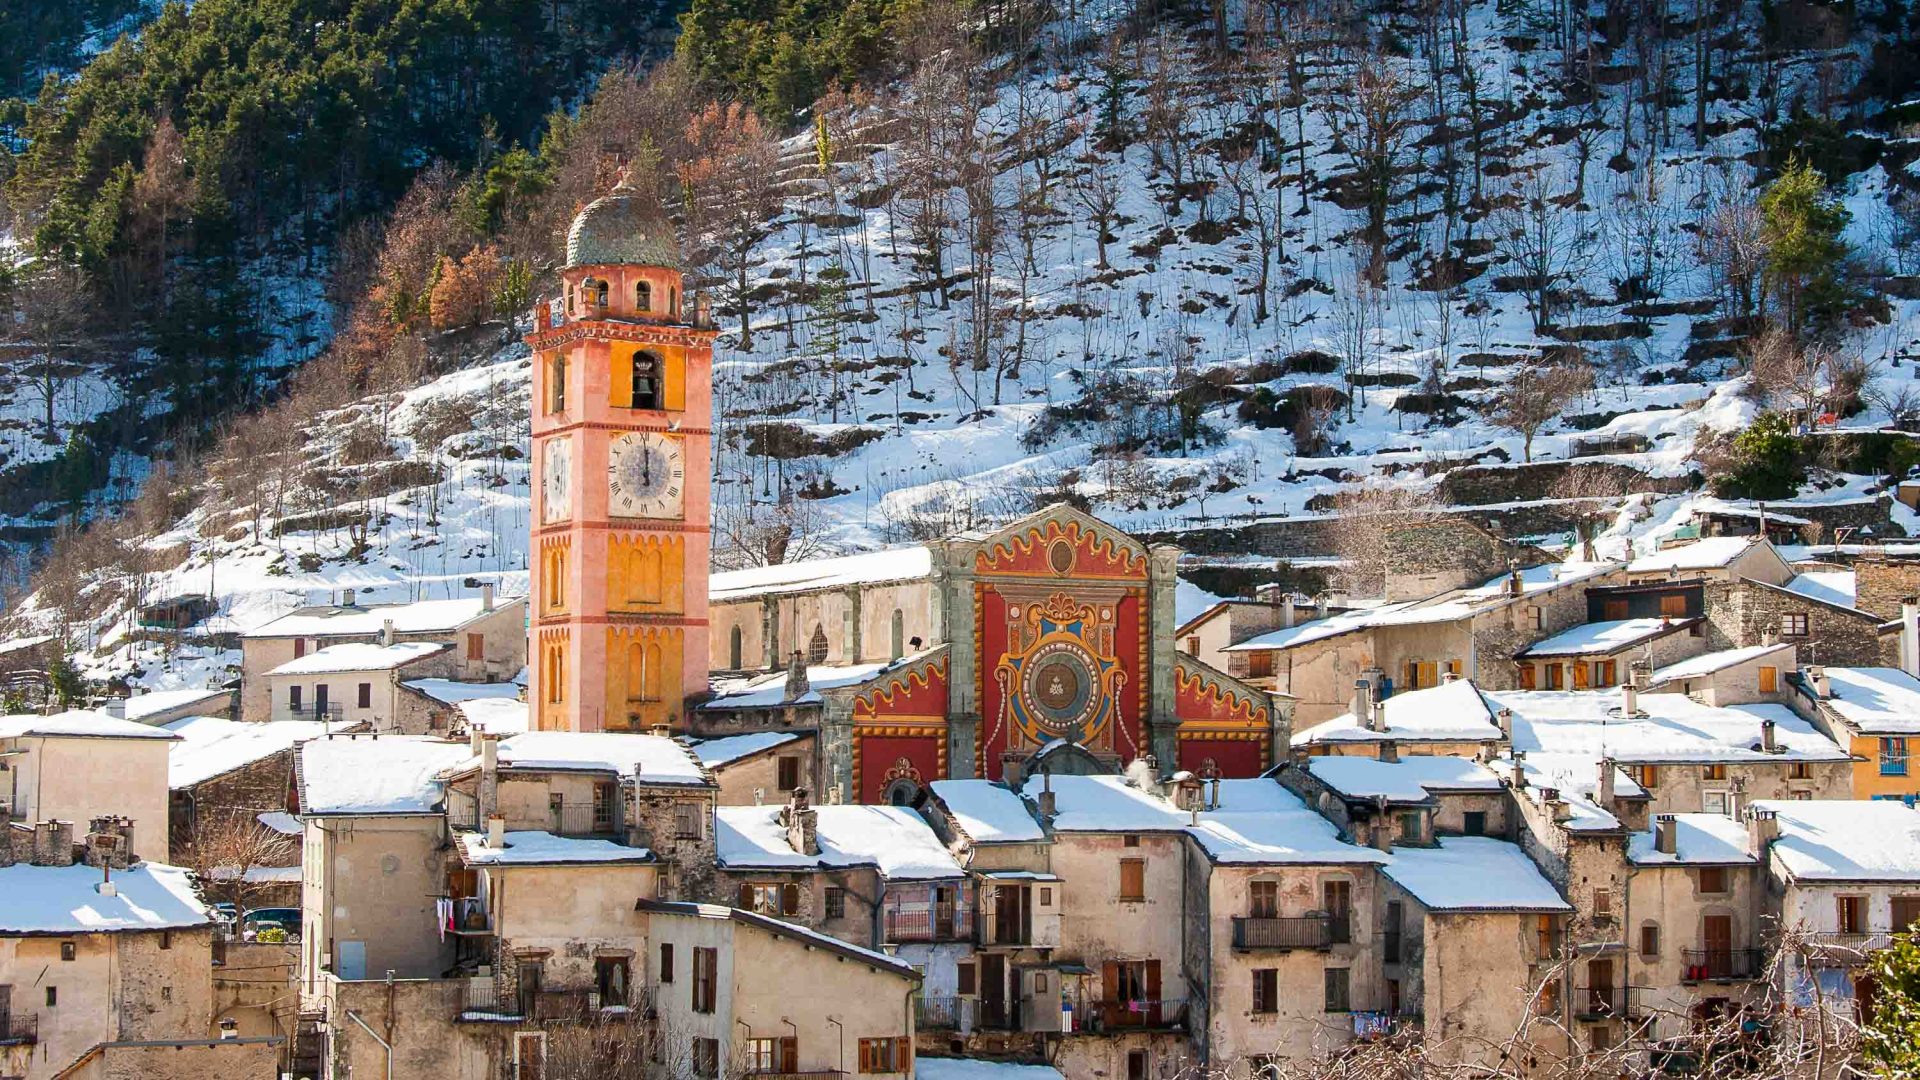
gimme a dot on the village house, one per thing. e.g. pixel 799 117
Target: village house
pixel 79 765
pixel 1411 645
pixel 1417 797
pixel 1718 558
pixel 1206 636
pixel 227 771
pixel 1845 877
pixel 103 954
pixel 1452 719
pixel 486 640
pixel 455 708
pixel 764 766
pixel 1746 676
pixel 1697 920
pixel 1597 655
pixel 1875 713
pixel 163 707
pixel 1828 631
pixel 359 684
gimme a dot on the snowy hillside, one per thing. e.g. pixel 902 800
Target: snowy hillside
pixel 888 394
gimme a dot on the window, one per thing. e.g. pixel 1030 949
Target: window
pixel 1266 990
pixel 1474 823
pixel 1039 982
pixel 1852 914
pixel 610 977
pixel 886 1055
pixel 1337 990
pixel 836 902
pixel 1193 644
pixel 666 962
pixel 734 656
pixel 647 388
pixel 166 939
pixel 1893 757
pixel 1410 826
pixel 293 699
pixel 1259 665
pixel 476 646
pixel 1544 936
pixel 1263 1067
pixel 1396 918
pixel 1769 680
pixel 643 299
pixel 1602 905
pixel 1046 896
pixel 1536 618
pixel 1800 770
pixel 706 1058
pixel 789 773
pixel 1130 841
pixel 1555 679
pixel 557 385
pixel 1527 679
pixel 1713 772
pixel 1605 673
pixel 966 982
pixel 53 996
pixel 770 899
pixel 898 633
pixel 605 796
pixel 67 949
pixel 1133 879
pixel 686 821
pixel 1906 912
pixel 818 648
pixel 1136 1065
pixel 1263 900
pixel 706 973
pixel 1793 624
pixel 1713 879
pixel 1650 940
pixel 365 696
pixel 299 648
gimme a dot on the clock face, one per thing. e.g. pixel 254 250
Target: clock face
pixel 556 490
pixel 646 476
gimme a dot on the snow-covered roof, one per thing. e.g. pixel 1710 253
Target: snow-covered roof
pixel 939 1068
pixel 770 690
pixel 545 849
pixel 1876 700
pixel 360 656
pixel 78 724
pixel 210 746
pixel 368 775
pixel 645 759
pixel 499 715
pixel 1447 607
pixel 1474 873
pixel 1846 840
pixel 779 928
pixel 27 642
pixel 717 753
pixel 890 564
pixel 1451 712
pixel 1699 667
pixel 281 822
pixel 1604 638
pixel 989 813
pixel 67 900
pixel 453 691
pixel 1710 553
pixel 1411 779
pixel 1261 823
pixel 894 839
pixel 1106 804
pixel 155 702
pixel 1698 840
pixel 1750 511
pixel 419 617
pixel 1834 587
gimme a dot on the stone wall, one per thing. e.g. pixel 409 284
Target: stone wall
pixel 1746 613
pixel 247 792
pixel 690 861
pixel 1498 635
pixel 1881 584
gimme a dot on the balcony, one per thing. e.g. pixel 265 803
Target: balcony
pixel 1723 965
pixel 1167 1014
pixel 482 1002
pixel 1603 1002
pixel 1844 948
pixel 811 1074
pixel 330 711
pixel 19 1030
pixel 921 923
pixel 946 1013
pixel 1304 932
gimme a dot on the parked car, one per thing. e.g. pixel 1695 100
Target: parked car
pixel 278 918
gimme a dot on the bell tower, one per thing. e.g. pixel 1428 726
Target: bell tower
pixel 622 414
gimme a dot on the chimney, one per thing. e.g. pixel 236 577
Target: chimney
pixel 1629 699
pixel 1604 793
pixel 53 843
pixel 803 824
pixel 496 832
pixel 797 685
pixel 1666 834
pixel 115 707
pixel 1763 828
pixel 1362 705
pixel 1768 743
pixel 1515 586
pixel 1449 677
pixel 346 597
pixel 1213 792
pixel 1389 751
pixel 1519 770
pixel 1287 612
pixel 109 842
pixel 1379 715
pixel 487 793
pixel 1817 677
pixel 1910 636
pixel 1048 809
pixel 486 596
pixel 1504 718
pixel 1556 803
pixel 1383 828
pixel 386 631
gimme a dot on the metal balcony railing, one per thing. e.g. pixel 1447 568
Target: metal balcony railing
pixel 1161 1014
pixel 1303 932
pixel 1707 965
pixel 1603 1002
pixel 332 710
pixel 810 1074
pixel 19 1029
pixel 946 1013
pixel 924 922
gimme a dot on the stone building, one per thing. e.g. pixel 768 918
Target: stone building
pixel 487 640
pixel 762 767
pixel 223 771
pixel 1746 612
pixel 1696 920
pixel 1746 676
pixel 1598 655
pixel 1719 558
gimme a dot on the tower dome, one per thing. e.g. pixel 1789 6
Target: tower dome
pixel 622 227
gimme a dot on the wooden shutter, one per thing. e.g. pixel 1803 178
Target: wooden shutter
pixel 902 1054
pixel 1906 912
pixel 746 897
pixel 966 982
pixel 1769 680
pixel 1153 980
pixel 789 1054
pixel 1110 981
pixel 790 899
pixel 1613 610
pixel 1580 680
pixel 1673 606
pixel 1526 677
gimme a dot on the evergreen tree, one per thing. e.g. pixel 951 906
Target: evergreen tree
pixel 1891 1037
pixel 1801 224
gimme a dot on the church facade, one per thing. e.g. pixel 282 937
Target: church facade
pixel 1045 644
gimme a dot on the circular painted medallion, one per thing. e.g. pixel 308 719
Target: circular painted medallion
pixel 1060 688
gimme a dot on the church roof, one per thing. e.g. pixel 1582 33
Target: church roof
pixel 622 227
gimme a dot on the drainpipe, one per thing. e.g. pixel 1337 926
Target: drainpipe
pixel 384 1044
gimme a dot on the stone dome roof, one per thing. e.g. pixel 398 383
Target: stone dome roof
pixel 622 226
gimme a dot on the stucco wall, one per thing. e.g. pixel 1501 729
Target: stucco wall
pixel 761 772
pixel 374 880
pixel 117 987
pixel 79 779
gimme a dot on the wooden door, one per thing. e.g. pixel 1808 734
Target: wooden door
pixel 1600 985
pixel 1336 897
pixel 1007 916
pixel 530 1052
pixel 993 989
pixel 1716 932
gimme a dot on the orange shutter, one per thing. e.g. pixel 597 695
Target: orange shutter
pixel 1580 676
pixel 1769 680
pixel 1526 677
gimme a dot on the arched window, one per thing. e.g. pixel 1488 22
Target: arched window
pixel 817 648
pixel 571 307
pixel 647 372
pixel 650 686
pixel 647 564
pixel 642 296
pixel 673 300
pixel 899 635
pixel 902 792
pixel 636 672
pixel 733 649
pixel 557 384
pixel 600 294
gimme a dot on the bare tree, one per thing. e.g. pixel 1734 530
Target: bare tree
pixel 1731 245
pixel 732 190
pixel 1364 519
pixel 1534 397
pixel 1375 113
pixel 228 846
pixel 1548 243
